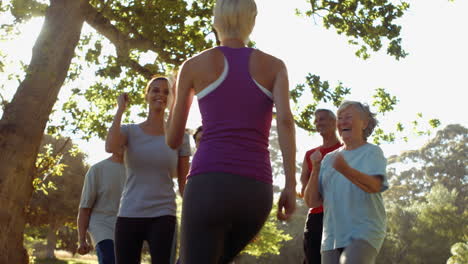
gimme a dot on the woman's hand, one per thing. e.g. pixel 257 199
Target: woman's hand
pixel 316 158
pixel 288 202
pixel 84 248
pixel 122 102
pixel 340 164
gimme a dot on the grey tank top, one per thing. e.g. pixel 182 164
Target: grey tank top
pixel 149 188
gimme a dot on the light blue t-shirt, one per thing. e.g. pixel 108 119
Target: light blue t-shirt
pixel 350 212
pixel 150 163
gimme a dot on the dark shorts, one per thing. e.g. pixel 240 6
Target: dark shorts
pixel 221 214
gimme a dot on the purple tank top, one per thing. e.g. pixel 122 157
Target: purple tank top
pixel 236 117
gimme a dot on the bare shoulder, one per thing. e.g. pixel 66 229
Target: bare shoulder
pixel 201 57
pixel 273 62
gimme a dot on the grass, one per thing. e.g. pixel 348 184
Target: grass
pixel 64 257
pixel 65 261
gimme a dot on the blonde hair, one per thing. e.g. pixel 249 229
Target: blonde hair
pixel 234 18
pixel 156 78
pixel 366 115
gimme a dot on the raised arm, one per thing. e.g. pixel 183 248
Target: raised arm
pixel 312 195
pixel 179 110
pixel 115 138
pixel 287 142
pixel 305 174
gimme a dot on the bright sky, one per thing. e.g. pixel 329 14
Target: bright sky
pixel 431 80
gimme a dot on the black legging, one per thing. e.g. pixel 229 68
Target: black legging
pixel 221 214
pixel 159 232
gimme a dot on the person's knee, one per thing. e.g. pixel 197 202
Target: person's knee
pixel 359 252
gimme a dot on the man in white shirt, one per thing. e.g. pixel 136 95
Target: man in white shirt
pixel 99 206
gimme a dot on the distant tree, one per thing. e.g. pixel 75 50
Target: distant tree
pixel 57 192
pixel 443 160
pixel 424 231
pixel 459 253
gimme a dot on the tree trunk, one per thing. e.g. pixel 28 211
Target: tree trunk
pixel 51 241
pixel 24 120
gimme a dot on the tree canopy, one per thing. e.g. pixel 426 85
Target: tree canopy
pixel 426 202
pixel 123 44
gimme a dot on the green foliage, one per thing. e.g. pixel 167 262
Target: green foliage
pixel 426 204
pixel 48 164
pixel 25 9
pixel 270 238
pixel 459 253
pixel 384 101
pixel 56 196
pixel 368 24
pixel 442 160
pixel 130 42
pixel 291 251
pixel 306 97
pixel 424 231
pixel 321 92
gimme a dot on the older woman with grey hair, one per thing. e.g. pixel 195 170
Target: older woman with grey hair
pixel 349 182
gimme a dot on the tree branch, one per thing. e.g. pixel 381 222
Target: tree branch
pixel 104 26
pixel 123 42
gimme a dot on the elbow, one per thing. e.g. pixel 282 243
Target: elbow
pixel 376 188
pixel 311 203
pixel 109 148
pixel 286 122
pixel 172 142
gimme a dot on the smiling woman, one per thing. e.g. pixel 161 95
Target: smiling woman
pixel 349 182
pixel 355 123
pixel 147 208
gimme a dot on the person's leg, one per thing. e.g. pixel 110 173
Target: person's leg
pixel 105 251
pixel 359 252
pixel 213 204
pixel 161 238
pixel 313 238
pixel 202 225
pixel 251 208
pixel 331 256
pixel 128 240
